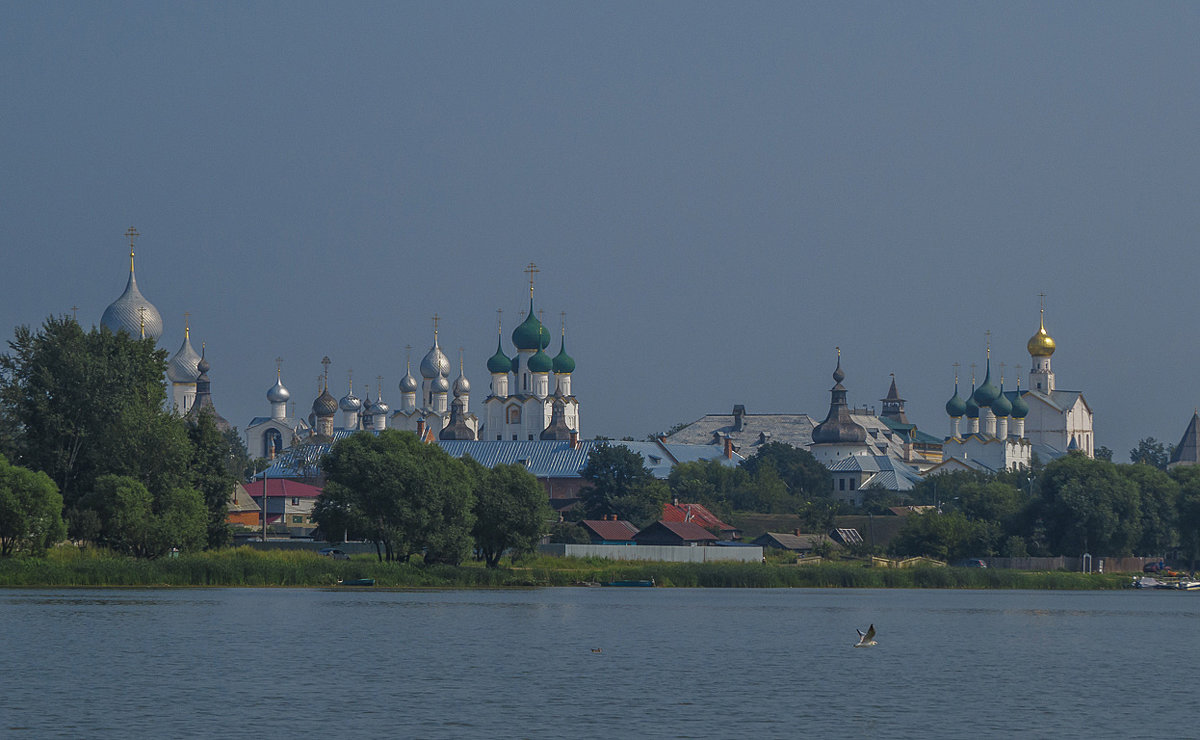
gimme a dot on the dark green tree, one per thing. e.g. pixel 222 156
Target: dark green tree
pixel 1158 499
pixel 708 482
pixel 619 483
pixel 1188 510
pixel 77 405
pixel 949 536
pixel 804 477
pixel 211 474
pixel 30 510
pixel 129 519
pixel 1087 506
pixel 1150 451
pixel 568 533
pixel 1103 453
pixel 406 496
pixel 511 512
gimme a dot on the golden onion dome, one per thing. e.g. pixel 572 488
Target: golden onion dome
pixel 1041 344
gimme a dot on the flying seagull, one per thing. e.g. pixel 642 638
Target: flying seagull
pixel 866 640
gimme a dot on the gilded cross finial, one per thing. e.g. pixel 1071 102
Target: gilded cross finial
pixel 460 360
pixel 500 321
pixel 988 340
pixel 350 377
pixel 326 362
pixel 133 234
pixel 1002 373
pixel 278 367
pixel 75 314
pixel 839 352
pixel 956 366
pixel 408 359
pixel 436 319
pixel 379 386
pixel 187 328
pixel 563 317
pixel 531 270
pixel 973 366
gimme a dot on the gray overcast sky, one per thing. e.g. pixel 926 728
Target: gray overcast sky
pixel 717 194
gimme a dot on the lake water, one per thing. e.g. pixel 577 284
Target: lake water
pixel 674 663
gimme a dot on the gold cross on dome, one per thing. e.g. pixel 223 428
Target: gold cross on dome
pixel 531 270
pixel 75 313
pixel 436 319
pixel 500 320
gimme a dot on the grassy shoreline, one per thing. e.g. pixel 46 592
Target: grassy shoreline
pixel 246 567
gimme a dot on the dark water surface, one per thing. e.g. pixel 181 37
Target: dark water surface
pixel 674 663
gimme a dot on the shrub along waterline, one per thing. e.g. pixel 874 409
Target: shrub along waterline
pixel 249 567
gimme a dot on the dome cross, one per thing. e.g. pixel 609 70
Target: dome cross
pixel 531 271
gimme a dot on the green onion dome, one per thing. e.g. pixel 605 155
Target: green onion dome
pixel 972 407
pixel 540 362
pixel 985 394
pixel 516 364
pixel 531 334
pixel 1002 406
pixel 1020 409
pixel 563 364
pixel 956 407
pixel 499 362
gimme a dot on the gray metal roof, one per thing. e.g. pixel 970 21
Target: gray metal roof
pixel 793 429
pixel 545 459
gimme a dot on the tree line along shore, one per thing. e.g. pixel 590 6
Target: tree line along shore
pixel 93 461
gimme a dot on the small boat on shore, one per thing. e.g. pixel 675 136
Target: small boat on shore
pixel 636 584
pixel 357 582
pixel 1188 585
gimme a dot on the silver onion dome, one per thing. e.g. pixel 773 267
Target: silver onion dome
pixel 462 386
pixel 441 385
pixel 126 314
pixel 350 402
pixel 277 393
pixel 380 407
pixel 408 384
pixel 182 366
pixel 435 363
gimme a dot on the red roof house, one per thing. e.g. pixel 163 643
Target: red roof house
pixel 609 531
pixel 699 514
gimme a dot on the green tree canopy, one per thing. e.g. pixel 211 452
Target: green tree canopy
pixel 211 474
pixel 129 519
pixel 619 483
pixel 511 512
pixel 708 482
pixel 1150 451
pixel 77 405
pixel 406 496
pixel 1087 506
pixel 1158 500
pixel 30 510
pixel 804 477
pixel 949 536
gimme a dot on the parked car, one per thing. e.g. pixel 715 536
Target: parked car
pixel 971 563
pixel 333 552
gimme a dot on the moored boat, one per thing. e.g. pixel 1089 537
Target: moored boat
pixel 644 584
pixel 357 582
